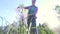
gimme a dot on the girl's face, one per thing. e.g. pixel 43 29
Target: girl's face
pixel 33 2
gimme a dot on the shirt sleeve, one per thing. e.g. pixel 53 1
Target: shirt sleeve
pixel 35 11
pixel 26 7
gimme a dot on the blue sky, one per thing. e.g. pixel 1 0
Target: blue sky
pixel 8 8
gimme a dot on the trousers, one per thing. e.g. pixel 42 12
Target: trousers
pixel 32 19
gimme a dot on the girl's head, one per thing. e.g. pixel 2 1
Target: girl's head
pixel 33 2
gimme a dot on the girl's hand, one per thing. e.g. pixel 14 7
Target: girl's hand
pixel 19 8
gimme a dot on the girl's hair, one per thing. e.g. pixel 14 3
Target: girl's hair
pixel 33 0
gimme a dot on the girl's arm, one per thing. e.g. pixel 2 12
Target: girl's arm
pixel 27 7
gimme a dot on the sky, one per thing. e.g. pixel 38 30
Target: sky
pixel 46 12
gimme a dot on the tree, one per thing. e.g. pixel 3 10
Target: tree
pixel 57 8
pixel 0 30
pixel 43 29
